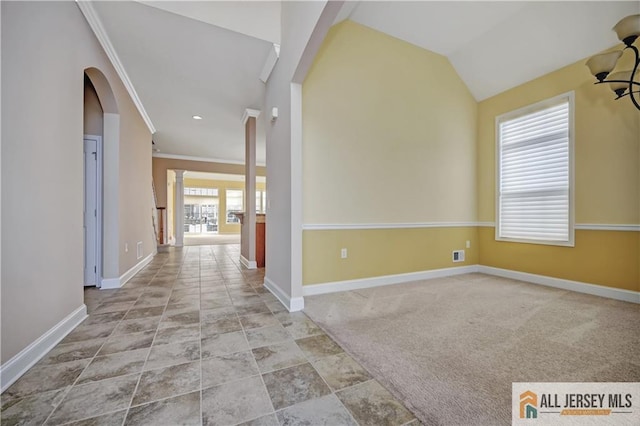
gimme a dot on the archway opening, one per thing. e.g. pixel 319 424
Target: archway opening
pixel 101 139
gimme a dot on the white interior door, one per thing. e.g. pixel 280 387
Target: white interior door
pixel 91 229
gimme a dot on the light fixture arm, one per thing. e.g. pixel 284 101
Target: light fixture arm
pixel 602 65
pixel 631 81
pixel 633 75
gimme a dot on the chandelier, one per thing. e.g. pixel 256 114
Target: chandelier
pixel 601 66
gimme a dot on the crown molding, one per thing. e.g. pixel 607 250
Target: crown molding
pixel 270 62
pixel 95 23
pixel 249 113
pixel 202 159
pixel 347 226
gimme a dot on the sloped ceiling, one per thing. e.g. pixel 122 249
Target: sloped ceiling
pixel 204 58
pixel 495 46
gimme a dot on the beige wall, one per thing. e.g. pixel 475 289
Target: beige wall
pixel 42 239
pixel 607 183
pixel 388 137
pixel 135 187
pixel 161 165
pixel 283 268
pixel 92 116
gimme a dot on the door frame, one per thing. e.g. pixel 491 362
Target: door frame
pixel 99 201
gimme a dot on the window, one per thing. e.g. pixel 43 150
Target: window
pixel 234 204
pixel 210 192
pixel 535 173
pixel 261 201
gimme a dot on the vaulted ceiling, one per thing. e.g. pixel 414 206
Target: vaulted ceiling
pixel 204 58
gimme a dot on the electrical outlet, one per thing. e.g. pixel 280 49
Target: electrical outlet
pixel 458 256
pixel 126 247
pixel 343 253
pixel 468 244
pixel 139 250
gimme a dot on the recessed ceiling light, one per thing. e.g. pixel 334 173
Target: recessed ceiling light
pixel 197 117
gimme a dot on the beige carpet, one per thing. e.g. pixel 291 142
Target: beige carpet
pixel 451 347
pixel 211 239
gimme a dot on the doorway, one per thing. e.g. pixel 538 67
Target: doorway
pixel 200 210
pixel 92 151
pixel 201 218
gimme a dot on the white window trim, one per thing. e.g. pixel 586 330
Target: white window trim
pixel 547 103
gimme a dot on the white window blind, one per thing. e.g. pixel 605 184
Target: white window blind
pixel 534 179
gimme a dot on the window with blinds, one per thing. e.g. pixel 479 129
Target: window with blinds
pixel 535 173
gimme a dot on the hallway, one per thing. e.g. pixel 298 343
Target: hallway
pixel 193 339
pixel 211 239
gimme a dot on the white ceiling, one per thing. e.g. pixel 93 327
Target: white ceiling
pixel 182 67
pixel 495 46
pixel 259 19
pixel 204 57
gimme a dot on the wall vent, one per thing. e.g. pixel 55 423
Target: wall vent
pixel 458 256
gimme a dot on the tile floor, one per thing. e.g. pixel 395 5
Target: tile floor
pixel 193 339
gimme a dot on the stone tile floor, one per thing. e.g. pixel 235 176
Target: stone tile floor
pixel 193 339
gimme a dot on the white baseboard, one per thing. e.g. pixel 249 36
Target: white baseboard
pixel 577 286
pixel 296 304
pixel 336 286
pixel 249 264
pixel 111 283
pixel 292 304
pixel 580 287
pixel 26 358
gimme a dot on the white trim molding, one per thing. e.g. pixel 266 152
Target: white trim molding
pixel 200 159
pixel 294 304
pixel 112 283
pixel 249 264
pixel 607 227
pixel 577 286
pixel 589 226
pixel 270 62
pixel 26 358
pixel 98 29
pixel 337 286
pixel 487 224
pixel 249 113
pixel 348 226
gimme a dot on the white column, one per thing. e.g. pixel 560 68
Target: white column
pixel 178 212
pixel 248 242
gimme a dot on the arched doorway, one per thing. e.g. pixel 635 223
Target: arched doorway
pixel 101 128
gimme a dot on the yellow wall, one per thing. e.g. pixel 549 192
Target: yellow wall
pixel 377 252
pixel 608 258
pixel 388 137
pixel 391 135
pixel 222 185
pixel 607 183
pixel 607 146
